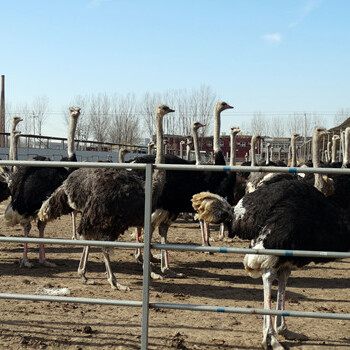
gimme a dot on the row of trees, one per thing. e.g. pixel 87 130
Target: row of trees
pixel 126 119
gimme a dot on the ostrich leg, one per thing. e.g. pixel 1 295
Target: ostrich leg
pixel 110 276
pixel 280 324
pixel 269 339
pixel 42 258
pixel 25 261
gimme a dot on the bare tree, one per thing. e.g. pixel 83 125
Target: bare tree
pixel 277 127
pixel 39 110
pixel 259 124
pixel 147 106
pixel 341 115
pixel 124 127
pixel 99 116
pixel 295 124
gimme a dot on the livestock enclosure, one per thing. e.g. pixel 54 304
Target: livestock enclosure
pixel 215 282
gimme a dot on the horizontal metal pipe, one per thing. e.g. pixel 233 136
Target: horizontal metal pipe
pixel 190 307
pixel 70 299
pixel 71 242
pixel 303 170
pixel 54 164
pixel 184 247
pixel 239 310
pixel 280 252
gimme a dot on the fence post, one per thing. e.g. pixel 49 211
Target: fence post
pixel 146 256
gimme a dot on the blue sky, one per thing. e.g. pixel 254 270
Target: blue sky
pixel 267 56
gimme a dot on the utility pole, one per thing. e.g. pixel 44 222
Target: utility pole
pixel 2 111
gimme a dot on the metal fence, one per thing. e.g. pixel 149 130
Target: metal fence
pixel 145 304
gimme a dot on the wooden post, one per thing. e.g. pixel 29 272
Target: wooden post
pixel 2 112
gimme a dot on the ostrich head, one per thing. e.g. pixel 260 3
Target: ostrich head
pixel 221 106
pixel 74 111
pixel 213 209
pixel 162 110
pixel 196 125
pixel 234 130
pixel 16 120
pixel 295 136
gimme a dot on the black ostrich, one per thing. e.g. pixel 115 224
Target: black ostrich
pixel 287 215
pixel 110 201
pixel 171 159
pixel 180 186
pixel 30 186
pixel 6 172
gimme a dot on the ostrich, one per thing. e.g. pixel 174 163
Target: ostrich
pixel 278 216
pixel 189 143
pixel 194 127
pixel 150 147
pixel 6 172
pixel 322 182
pixel 335 138
pixel 121 155
pixel 14 135
pixel 31 186
pixel 293 140
pixel 238 190
pixel 181 185
pixel 110 201
pixel 182 142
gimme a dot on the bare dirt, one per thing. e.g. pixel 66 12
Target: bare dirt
pixel 217 279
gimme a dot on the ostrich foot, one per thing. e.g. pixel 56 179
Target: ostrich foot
pixel 138 257
pixel 47 263
pixel 289 335
pixel 154 259
pixel 156 276
pixel 173 274
pixel 86 280
pixel 119 286
pixel 270 342
pixel 25 263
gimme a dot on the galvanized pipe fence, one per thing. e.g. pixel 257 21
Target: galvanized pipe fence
pixel 145 304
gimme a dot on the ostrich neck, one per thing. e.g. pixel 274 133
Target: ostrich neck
pixel 233 149
pixel 346 147
pixel 70 139
pixel 268 155
pixel 217 126
pixel 15 147
pixel 149 149
pixel 196 146
pixel 159 175
pixel 12 141
pixel 252 151
pixel 181 151
pixel 188 152
pixel 334 150
pixel 319 181
pixel 294 154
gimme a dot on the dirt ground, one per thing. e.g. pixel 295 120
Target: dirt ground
pixel 218 279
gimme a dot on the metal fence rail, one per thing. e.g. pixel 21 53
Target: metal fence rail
pixel 145 304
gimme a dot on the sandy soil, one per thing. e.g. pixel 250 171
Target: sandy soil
pixel 216 279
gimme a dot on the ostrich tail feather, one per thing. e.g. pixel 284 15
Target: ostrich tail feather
pixel 55 206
